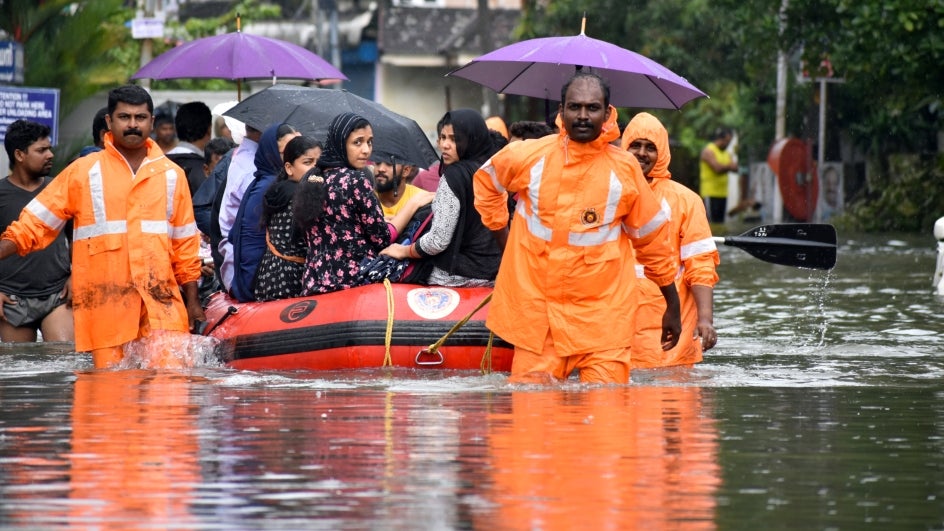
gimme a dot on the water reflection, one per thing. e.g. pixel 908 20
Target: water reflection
pixel 134 456
pixel 820 409
pixel 638 458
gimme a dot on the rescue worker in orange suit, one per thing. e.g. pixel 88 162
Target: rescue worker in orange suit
pixel 564 296
pixel 135 262
pixel 696 256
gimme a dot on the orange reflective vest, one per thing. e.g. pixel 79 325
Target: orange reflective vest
pixel 695 256
pixel 134 243
pixel 568 265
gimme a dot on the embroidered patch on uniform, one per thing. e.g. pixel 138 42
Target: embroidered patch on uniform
pixel 432 303
pixel 589 216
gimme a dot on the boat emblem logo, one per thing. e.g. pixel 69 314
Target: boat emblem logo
pixel 297 311
pixel 589 216
pixel 432 303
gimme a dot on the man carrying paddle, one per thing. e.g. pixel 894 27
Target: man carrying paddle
pixel 565 291
pixel 646 138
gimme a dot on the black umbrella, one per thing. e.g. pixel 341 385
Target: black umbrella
pixel 310 110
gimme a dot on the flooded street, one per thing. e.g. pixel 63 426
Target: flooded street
pixel 820 408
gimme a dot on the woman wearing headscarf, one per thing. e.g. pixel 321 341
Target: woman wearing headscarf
pixel 341 216
pixel 248 234
pixel 461 250
pixel 695 253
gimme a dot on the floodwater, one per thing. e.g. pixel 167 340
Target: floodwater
pixel 820 408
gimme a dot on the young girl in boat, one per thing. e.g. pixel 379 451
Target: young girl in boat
pixel 279 275
pixel 463 252
pixel 336 207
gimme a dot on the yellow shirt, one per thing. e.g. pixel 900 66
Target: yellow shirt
pixel 714 184
pixel 408 192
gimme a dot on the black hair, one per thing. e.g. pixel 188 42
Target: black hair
pixel 498 140
pixel 721 132
pixel 580 74
pixel 294 150
pixel 284 129
pixel 99 126
pixel 21 134
pixel 218 146
pixel 130 94
pixel 526 129
pixel 193 121
pixel 163 118
pixel 308 203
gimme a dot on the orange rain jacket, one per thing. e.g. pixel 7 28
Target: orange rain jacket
pixel 134 243
pixel 696 256
pixel 568 264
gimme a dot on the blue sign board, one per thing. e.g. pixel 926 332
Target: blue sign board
pixel 33 104
pixel 11 62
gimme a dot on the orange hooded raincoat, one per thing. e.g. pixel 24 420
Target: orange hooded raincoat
pixel 567 269
pixel 695 256
pixel 135 243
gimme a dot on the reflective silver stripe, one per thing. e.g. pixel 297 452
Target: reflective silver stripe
pixel 664 214
pixel 171 177
pixel 100 229
pixel 158 226
pixel 45 215
pixel 607 232
pixel 641 271
pixel 532 220
pixel 490 170
pixel 101 226
pixel 184 231
pixel 696 248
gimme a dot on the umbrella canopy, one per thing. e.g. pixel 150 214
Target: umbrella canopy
pixel 310 110
pixel 540 67
pixel 238 56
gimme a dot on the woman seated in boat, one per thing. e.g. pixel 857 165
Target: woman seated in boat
pixel 338 211
pixel 247 234
pixel 462 251
pixel 279 275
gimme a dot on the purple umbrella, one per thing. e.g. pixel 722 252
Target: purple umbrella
pixel 540 67
pixel 239 56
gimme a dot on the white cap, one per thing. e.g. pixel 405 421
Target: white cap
pixel 237 128
pixel 939 229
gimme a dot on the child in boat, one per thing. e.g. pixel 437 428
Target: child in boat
pixel 279 275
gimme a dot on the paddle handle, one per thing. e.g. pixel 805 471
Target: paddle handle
pixel 758 241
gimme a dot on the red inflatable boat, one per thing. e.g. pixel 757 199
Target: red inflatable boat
pixel 352 329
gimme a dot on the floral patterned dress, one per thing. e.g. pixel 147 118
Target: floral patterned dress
pixel 351 228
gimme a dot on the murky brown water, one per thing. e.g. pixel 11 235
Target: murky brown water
pixel 821 408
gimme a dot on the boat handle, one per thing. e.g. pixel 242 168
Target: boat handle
pixel 438 361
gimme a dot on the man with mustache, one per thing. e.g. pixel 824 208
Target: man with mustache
pixel 390 182
pixel 135 259
pixel 35 291
pixel 564 296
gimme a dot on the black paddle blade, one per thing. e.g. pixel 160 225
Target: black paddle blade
pixel 806 245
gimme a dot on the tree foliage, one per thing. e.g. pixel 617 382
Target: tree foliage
pixel 60 51
pixel 887 52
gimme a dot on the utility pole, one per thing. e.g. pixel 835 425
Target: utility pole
pixel 780 124
pixel 146 10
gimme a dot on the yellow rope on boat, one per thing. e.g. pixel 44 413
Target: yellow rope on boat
pixel 388 361
pixel 434 348
pixel 486 365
